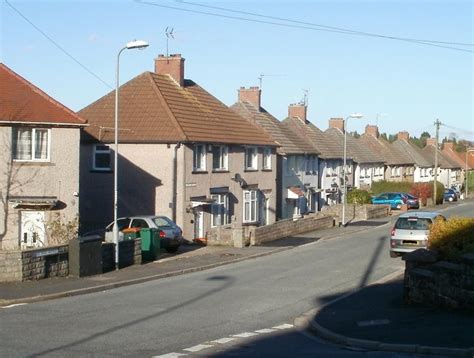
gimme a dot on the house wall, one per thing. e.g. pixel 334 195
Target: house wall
pixel 199 184
pixel 144 184
pixel 406 174
pixel 57 178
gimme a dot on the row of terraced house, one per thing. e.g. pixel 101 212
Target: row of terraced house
pixel 183 154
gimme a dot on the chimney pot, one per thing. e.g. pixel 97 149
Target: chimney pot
pixel 403 136
pixel 297 110
pixel 337 123
pixel 372 130
pixel 172 65
pixel 251 95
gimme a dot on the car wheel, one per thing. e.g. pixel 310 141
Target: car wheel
pixel 172 249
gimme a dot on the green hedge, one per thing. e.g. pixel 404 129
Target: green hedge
pixel 453 237
pixel 358 196
pixel 389 186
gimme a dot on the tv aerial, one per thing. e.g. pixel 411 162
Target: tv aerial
pixel 169 35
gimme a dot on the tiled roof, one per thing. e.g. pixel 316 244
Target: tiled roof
pixel 323 144
pixel 469 156
pixel 391 155
pixel 443 160
pixel 23 102
pixel 454 157
pixel 415 153
pixel 289 142
pixel 355 148
pixel 155 109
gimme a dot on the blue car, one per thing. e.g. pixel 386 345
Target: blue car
pixel 450 195
pixel 395 200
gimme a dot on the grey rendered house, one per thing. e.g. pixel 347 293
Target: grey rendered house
pixel 330 157
pixel 39 156
pixel 182 153
pixel 399 166
pixel 297 159
pixel 449 170
pixel 368 165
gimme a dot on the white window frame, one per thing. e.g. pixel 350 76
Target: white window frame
pixel 203 158
pixel 253 152
pixel 33 145
pixel 393 172
pixel 101 151
pixel 267 159
pixel 250 206
pixel 220 210
pixel 223 154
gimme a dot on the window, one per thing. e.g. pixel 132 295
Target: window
pixel 399 170
pixel 251 158
pixel 267 158
pixel 31 144
pixel 250 206
pixel 220 210
pixel 199 160
pixel 219 157
pixel 101 159
pixel 393 171
pixel 139 223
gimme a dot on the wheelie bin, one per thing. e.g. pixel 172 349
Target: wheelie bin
pixel 151 243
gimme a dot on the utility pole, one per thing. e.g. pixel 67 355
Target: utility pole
pixel 437 124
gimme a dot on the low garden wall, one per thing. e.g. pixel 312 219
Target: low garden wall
pixel 357 212
pixel 436 283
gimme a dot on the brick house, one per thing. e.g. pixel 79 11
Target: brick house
pixel 297 159
pixel 182 153
pixel 39 152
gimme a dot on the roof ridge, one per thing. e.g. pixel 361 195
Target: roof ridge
pixel 41 92
pixel 166 105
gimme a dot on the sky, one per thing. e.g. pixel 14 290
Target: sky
pixel 398 85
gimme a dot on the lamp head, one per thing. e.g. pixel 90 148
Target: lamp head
pixel 140 44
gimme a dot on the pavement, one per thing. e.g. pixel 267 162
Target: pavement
pixel 371 318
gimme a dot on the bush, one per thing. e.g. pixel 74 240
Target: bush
pixel 358 196
pixel 453 237
pixel 388 186
pixel 439 192
pixel 422 191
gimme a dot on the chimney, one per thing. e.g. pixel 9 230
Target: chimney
pixel 449 145
pixel 431 141
pixel 252 95
pixel 297 110
pixel 172 65
pixel 372 130
pixel 403 136
pixel 337 123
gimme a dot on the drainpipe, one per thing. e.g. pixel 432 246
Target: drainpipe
pixel 175 179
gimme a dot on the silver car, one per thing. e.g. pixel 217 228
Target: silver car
pixel 411 231
pixel 170 232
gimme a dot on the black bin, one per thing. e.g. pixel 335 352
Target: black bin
pixel 85 256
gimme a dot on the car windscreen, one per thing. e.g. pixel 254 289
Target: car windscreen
pixel 161 222
pixel 413 223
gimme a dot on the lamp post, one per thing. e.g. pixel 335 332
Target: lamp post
pixel 466 171
pixel 344 198
pixel 138 44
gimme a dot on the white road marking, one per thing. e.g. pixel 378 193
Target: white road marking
pixel 171 355
pixel 245 334
pixel 198 348
pixel 284 326
pixel 15 305
pixel 265 330
pixel 223 340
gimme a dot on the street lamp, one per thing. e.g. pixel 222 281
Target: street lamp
pixel 344 199
pixel 466 171
pixel 137 44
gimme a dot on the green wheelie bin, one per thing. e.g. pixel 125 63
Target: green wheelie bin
pixel 151 243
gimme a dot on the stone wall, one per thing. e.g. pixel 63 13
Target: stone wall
pixel 130 253
pixel 436 283
pixel 356 212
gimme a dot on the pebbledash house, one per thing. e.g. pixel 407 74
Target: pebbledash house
pixel 182 153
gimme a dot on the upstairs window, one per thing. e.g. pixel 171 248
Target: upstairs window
pixel 220 157
pixel 199 158
pixel 251 158
pixel 267 159
pixel 101 159
pixel 31 144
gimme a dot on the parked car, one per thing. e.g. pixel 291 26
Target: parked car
pixel 450 195
pixel 412 201
pixel 170 233
pixel 395 200
pixel 411 231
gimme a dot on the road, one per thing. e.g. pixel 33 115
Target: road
pixel 244 309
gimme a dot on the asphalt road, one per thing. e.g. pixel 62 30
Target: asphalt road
pixel 182 314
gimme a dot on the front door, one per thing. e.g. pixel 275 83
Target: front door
pixel 198 223
pixel 33 232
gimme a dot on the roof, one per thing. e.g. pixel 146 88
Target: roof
pixel 359 152
pixel 444 161
pixel 391 155
pixel 454 157
pixel 289 141
pixel 415 153
pixel 327 148
pixel 24 103
pixel 155 109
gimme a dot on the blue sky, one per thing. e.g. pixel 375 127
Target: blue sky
pixel 409 85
